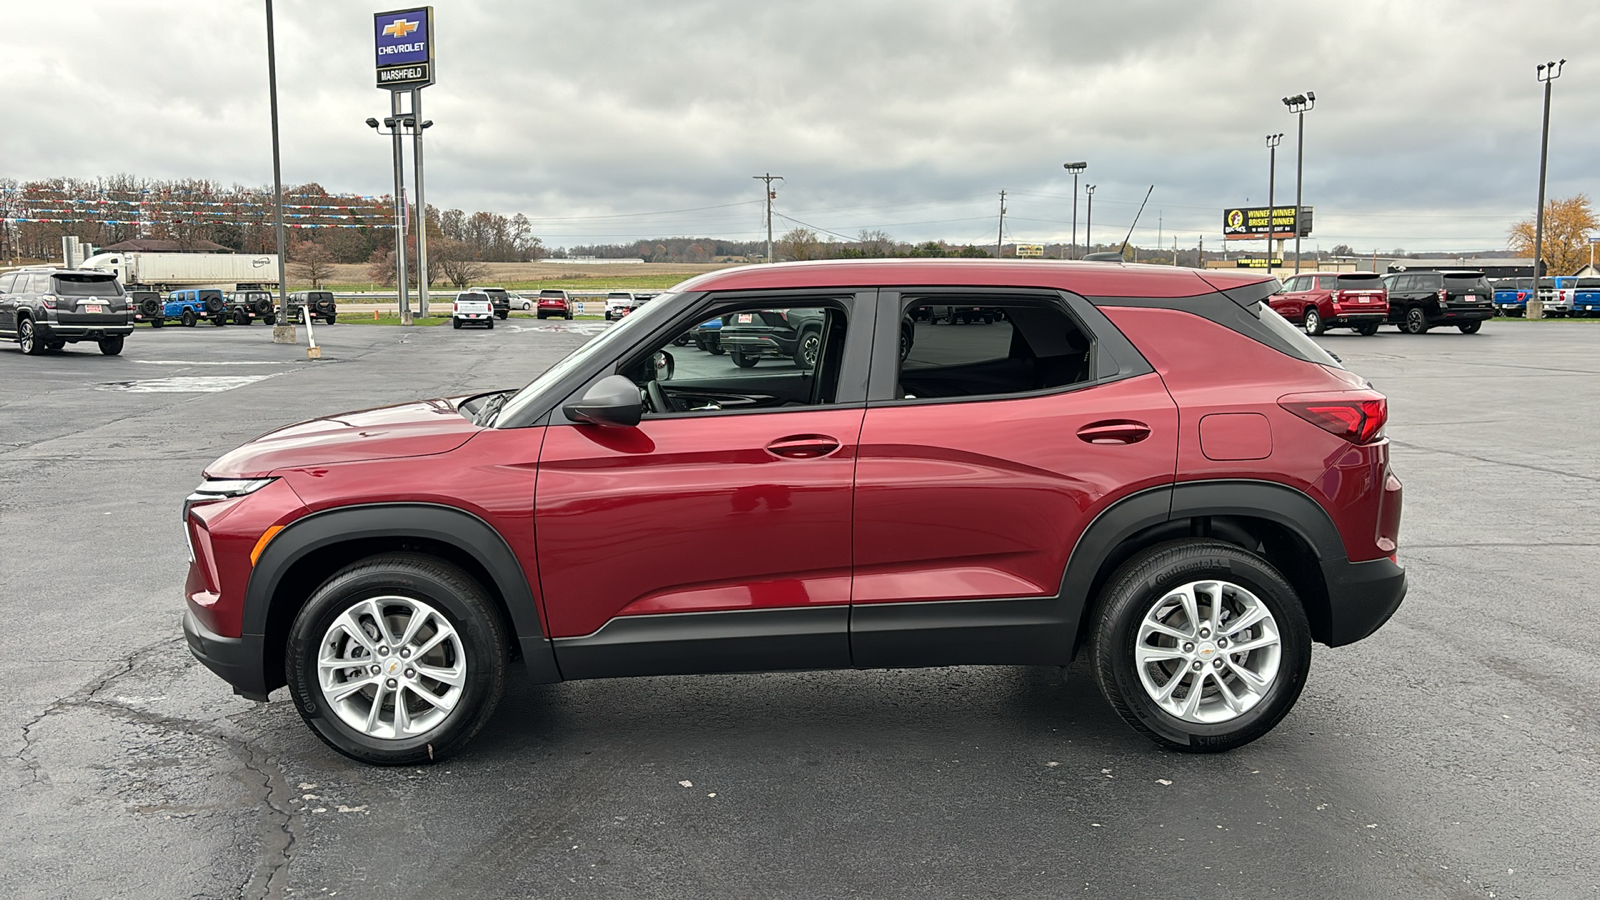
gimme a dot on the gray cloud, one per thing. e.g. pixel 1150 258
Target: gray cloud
pixel 908 116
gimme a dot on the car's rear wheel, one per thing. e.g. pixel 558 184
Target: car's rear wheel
pixel 1199 645
pixel 220 319
pixel 398 659
pixel 455 323
pixel 188 318
pixel 808 349
pixel 1416 320
pixel 29 338
pixel 744 360
pixel 1470 327
pixel 1368 329
pixel 1313 323
pixel 270 318
pixel 111 346
pixel 490 322
pixel 157 322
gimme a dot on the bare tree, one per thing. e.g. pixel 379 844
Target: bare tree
pixel 458 263
pixel 801 243
pixel 310 261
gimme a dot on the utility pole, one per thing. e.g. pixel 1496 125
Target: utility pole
pixel 1547 73
pixel 1000 234
pixel 1088 225
pixel 282 329
pixel 769 178
pixel 1272 186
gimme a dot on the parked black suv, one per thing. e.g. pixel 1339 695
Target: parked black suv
pixel 1420 300
pixel 321 303
pixel 146 304
pixel 244 307
pixel 48 308
pixel 794 334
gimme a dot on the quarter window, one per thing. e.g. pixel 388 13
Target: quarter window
pixel 973 346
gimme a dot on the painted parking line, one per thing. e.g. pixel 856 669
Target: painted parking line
pixel 184 384
pixel 209 362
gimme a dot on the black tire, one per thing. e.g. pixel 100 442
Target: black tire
pixel 808 348
pixel 157 322
pixel 149 307
pixel 569 317
pixel 1416 321
pixel 1470 327
pixel 744 361
pixel 270 318
pixel 608 315
pixel 538 315
pixel 263 306
pixel 1368 329
pixel 111 346
pixel 330 319
pixel 188 318
pixel 490 323
pixel 463 605
pixel 507 313
pixel 240 316
pixel 1313 323
pixel 29 338
pixel 716 350
pixel 219 319
pixel 56 346
pixel 1138 587
pixel 456 324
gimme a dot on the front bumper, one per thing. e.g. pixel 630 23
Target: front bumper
pixel 1362 596
pixel 236 660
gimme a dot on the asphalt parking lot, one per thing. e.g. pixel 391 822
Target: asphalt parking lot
pixel 1452 755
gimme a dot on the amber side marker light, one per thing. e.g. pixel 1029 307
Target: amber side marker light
pixel 266 537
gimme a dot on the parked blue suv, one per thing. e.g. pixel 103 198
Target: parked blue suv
pixel 192 305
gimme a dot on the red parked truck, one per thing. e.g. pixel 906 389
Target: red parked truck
pixel 1146 464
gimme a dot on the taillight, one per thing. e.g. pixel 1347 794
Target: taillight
pixel 48 300
pixel 1443 294
pixel 1356 416
pixel 1522 295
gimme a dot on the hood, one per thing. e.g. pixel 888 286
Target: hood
pixel 412 429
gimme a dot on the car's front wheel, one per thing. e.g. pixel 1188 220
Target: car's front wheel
pixel 397 660
pixel 29 338
pixel 1199 645
pixel 806 352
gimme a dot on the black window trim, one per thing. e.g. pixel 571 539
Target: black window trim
pixel 1112 357
pixel 852 388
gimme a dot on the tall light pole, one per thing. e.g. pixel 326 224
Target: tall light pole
pixel 1088 225
pixel 1076 168
pixel 396 125
pixel 771 195
pixel 1000 233
pixel 1546 73
pixel 282 329
pixel 1299 105
pixel 1272 184
pixel 417 127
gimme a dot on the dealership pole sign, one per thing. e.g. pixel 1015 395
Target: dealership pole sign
pixel 1254 223
pixel 403 43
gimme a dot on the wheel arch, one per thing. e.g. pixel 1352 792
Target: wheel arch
pixel 1282 524
pixel 312 549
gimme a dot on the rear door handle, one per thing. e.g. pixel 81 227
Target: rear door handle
pixel 1117 431
pixel 803 446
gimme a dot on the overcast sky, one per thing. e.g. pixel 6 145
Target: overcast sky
pixel 597 117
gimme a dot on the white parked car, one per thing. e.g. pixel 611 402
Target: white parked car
pixel 472 308
pixel 616 304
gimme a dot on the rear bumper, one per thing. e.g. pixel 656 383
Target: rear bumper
pixel 236 660
pixel 56 331
pixel 1359 316
pixel 1472 314
pixel 1362 596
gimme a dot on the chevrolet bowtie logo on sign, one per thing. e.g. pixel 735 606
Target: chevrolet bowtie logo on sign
pixel 403 48
pixel 399 28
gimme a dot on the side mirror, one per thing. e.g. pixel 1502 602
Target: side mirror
pixel 662 365
pixel 614 400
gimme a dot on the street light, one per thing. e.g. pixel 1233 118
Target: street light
pixel 1088 226
pixel 1272 184
pixel 1547 73
pixel 1076 168
pixel 1299 105
pixel 396 125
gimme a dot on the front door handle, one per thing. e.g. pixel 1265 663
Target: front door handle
pixel 803 446
pixel 1116 431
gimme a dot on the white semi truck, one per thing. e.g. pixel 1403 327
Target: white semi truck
pixel 168 271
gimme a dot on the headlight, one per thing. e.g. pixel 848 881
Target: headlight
pixel 211 491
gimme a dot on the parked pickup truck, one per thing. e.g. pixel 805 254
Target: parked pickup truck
pixel 1511 295
pixel 1586 297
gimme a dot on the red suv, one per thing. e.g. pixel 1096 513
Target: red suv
pixel 553 303
pixel 1143 463
pixel 1326 300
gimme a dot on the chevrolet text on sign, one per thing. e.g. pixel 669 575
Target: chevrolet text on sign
pixel 403 48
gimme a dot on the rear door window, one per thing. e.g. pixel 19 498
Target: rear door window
pixel 1003 348
pixel 1327 282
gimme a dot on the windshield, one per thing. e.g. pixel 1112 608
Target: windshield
pixel 88 286
pixel 618 335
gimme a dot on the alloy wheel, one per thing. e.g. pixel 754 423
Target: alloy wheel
pixel 391 667
pixel 1208 651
